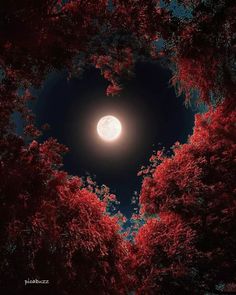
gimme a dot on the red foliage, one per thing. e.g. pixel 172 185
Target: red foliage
pixel 198 184
pixel 205 51
pixel 34 41
pixel 37 37
pixel 163 252
pixel 113 89
pixel 53 228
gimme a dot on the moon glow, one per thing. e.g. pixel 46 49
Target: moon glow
pixel 109 128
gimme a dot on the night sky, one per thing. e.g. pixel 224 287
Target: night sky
pixel 152 117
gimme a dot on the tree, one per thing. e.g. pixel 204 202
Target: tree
pixel 205 50
pixel 163 252
pixel 37 38
pixel 54 228
pixel 197 185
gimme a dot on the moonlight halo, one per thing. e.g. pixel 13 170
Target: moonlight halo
pixel 109 128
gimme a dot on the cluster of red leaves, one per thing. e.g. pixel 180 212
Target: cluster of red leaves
pixel 54 228
pixel 205 51
pixel 197 184
pixel 52 35
pixel 39 37
pixel 11 101
pixel 164 249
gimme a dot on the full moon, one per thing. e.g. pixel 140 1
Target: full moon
pixel 109 128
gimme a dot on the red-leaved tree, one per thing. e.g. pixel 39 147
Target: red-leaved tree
pixel 192 197
pixel 52 227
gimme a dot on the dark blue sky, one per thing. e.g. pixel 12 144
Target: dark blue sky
pixel 151 114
